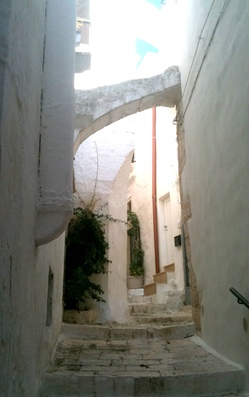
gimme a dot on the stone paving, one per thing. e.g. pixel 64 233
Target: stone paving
pixel 136 366
pixel 136 357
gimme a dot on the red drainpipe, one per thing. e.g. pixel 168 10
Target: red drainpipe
pixel 154 191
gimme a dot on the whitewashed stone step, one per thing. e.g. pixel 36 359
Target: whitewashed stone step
pixel 129 331
pixel 139 299
pixel 160 278
pixel 137 296
pixel 152 308
pixel 154 288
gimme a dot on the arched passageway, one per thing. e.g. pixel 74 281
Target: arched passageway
pixel 99 107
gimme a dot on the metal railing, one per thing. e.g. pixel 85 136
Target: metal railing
pixel 240 299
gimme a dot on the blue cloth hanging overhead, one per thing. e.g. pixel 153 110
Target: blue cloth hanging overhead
pixel 157 3
pixel 142 48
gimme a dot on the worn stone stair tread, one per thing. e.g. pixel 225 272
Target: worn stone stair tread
pixel 235 395
pixel 148 308
pixel 159 286
pixel 139 299
pixel 159 320
pixel 127 332
pixel 150 289
pixel 164 318
pixel 169 268
pixel 152 308
pixel 139 368
pixel 160 278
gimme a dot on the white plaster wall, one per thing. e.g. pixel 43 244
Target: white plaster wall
pixel 215 177
pixel 167 183
pixel 117 237
pixel 99 158
pixel 176 224
pixel 140 190
pixel 48 256
pixel 26 343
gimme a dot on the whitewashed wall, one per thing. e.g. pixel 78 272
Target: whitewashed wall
pixel 215 88
pixel 27 335
pixel 140 190
pixel 168 184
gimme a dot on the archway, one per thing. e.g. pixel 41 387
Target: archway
pixel 97 108
pixel 103 106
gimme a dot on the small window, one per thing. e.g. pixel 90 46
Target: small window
pixel 50 298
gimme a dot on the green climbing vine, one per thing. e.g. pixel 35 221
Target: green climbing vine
pixel 86 251
pixel 137 254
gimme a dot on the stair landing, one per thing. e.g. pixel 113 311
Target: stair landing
pixel 128 367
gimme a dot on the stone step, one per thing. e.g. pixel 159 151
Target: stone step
pixel 140 299
pixel 147 308
pixel 134 297
pixel 134 367
pixel 157 288
pixel 154 288
pixel 160 319
pixel 172 298
pixel 171 278
pixel 141 331
pixel 155 308
pixel 160 278
pixel 169 268
pixel 150 289
pixel 160 314
pixel 165 294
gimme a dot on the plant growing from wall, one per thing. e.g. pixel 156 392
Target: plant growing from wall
pixel 86 249
pixel 137 254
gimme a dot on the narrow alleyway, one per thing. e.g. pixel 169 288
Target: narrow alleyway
pixel 156 358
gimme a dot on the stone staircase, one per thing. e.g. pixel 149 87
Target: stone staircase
pixel 144 310
pixel 156 357
pixel 163 289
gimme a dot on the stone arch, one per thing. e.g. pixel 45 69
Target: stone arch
pixel 96 109
pixel 99 107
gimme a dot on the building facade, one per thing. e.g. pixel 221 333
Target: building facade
pixel 213 162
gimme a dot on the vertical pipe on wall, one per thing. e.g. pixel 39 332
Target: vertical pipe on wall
pixel 154 191
pixel 55 202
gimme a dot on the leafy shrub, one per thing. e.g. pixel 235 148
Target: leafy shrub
pixel 86 249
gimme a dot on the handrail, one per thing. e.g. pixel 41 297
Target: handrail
pixel 241 300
